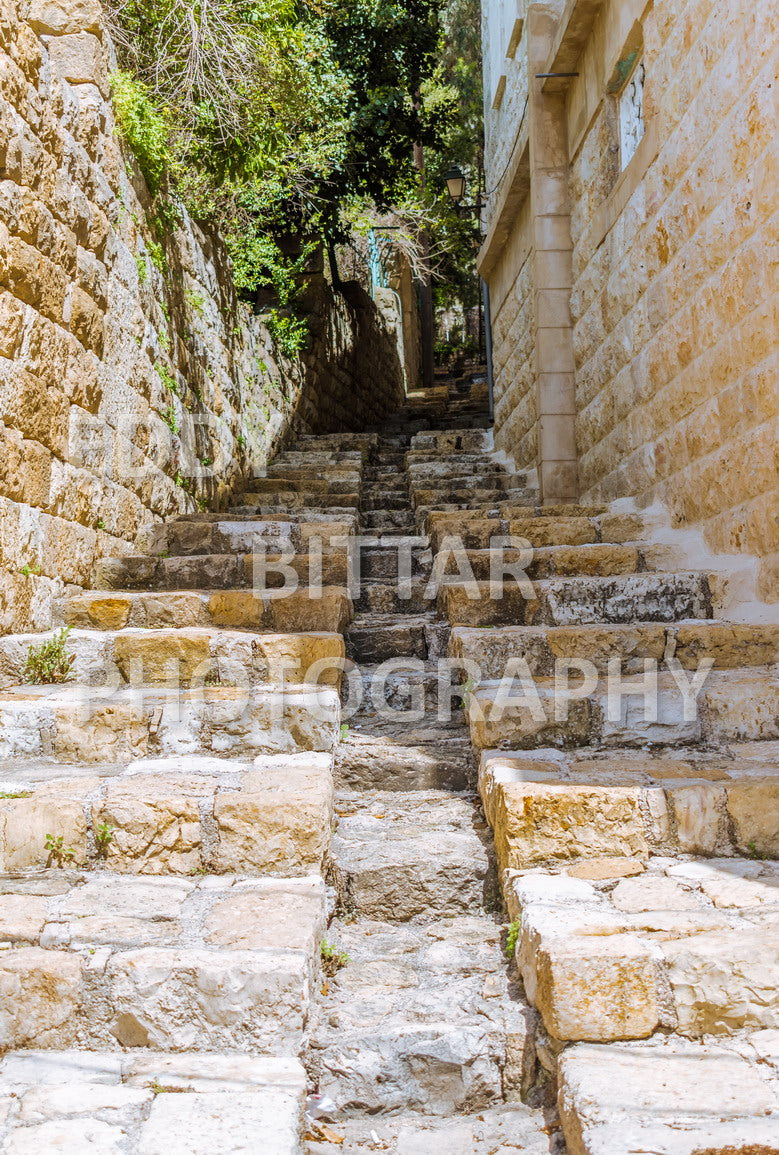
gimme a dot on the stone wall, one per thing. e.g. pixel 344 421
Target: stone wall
pixel 675 362
pixel 133 385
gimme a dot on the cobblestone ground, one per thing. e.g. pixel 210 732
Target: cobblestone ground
pixel 239 916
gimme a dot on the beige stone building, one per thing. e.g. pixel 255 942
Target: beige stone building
pixel 631 257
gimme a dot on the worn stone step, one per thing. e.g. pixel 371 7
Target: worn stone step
pixel 689 947
pixel 628 598
pixel 369 761
pixel 107 1101
pixel 336 442
pixel 550 807
pixel 728 645
pixel 456 497
pixel 385 519
pixel 509 1128
pixel 597 560
pixel 114 961
pixel 420 1018
pixel 288 499
pixel 374 638
pixel 384 499
pixel 453 441
pixel 671 1097
pixel 732 705
pixel 396 857
pixel 384 561
pixel 300 610
pixel 538 528
pixel 187 657
pixel 223 571
pixel 174 815
pixel 351 460
pixel 462 466
pixel 281 483
pixel 249 534
pixel 86 724
pixel 377 597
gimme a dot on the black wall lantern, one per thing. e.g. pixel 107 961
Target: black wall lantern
pixel 455 183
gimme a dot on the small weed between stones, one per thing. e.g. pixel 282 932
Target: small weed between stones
pixel 59 854
pixel 511 938
pixel 48 664
pixel 333 959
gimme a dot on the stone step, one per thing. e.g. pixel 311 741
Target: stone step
pixel 384 499
pixel 374 638
pixel 248 534
pixel 297 610
pixel 464 467
pixel 671 1097
pixel 282 484
pixel 187 657
pixel 384 519
pixel 222 571
pixel 104 1101
pixel 447 441
pixel 476 529
pixel 395 857
pixel 507 1128
pixel 420 1018
pixel 455 497
pixel 288 499
pixel 729 645
pixel 336 443
pixel 114 961
pixel 367 761
pixel 382 562
pixel 733 705
pixel 385 597
pixel 174 815
pixel 595 560
pixel 86 724
pixel 689 947
pixel 628 598
pixel 547 807
pixel 317 459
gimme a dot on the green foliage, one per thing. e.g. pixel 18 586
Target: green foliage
pixel 167 378
pixel 195 300
pixel 289 334
pixel 28 570
pixel 58 853
pixel 512 937
pixel 48 664
pixel 333 959
pixel 104 836
pixel 269 117
pixel 157 256
pixel 6 794
pixel 143 268
pixel 170 417
pixel 144 125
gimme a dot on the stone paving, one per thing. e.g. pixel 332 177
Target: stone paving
pixel 505 927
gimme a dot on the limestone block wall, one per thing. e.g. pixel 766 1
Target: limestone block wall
pixel 672 265
pixel 674 299
pixel 133 384
pixel 513 352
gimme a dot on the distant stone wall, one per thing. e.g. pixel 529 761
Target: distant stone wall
pixel 133 385
pixel 634 260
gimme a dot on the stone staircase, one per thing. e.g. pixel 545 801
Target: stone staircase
pixel 233 876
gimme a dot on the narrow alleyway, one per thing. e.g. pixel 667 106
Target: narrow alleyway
pixel 191 850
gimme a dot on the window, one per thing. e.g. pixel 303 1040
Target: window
pixel 631 115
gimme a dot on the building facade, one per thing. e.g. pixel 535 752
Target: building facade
pixel 631 257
